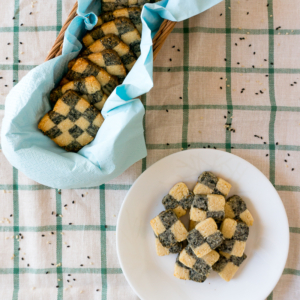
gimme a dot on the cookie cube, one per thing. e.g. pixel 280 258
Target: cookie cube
pixel 132 13
pixel 208 206
pixel 208 183
pixel 112 42
pixel 89 88
pixel 205 237
pixel 201 265
pixel 185 273
pixel 228 265
pixel 179 199
pixel 73 122
pixel 236 208
pixel 162 251
pixel 168 228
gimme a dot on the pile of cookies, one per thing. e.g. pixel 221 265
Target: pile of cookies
pixel 109 52
pixel 218 229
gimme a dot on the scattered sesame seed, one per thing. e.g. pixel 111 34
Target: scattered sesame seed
pixel 68 246
pixel 288 154
pixel 30 13
pixel 74 279
pixel 293 169
pixel 169 70
pixel 81 265
pixel 167 110
pixel 225 117
pixel 170 59
pixel 70 223
pixel 221 88
pixel 14 18
pixel 225 59
pixel 98 289
pixel 277 143
pixel 47 272
pixel 168 144
pixel 28 265
pixel 267 154
pixel 248 13
pixel 236 44
pixel 180 97
pixel 21 24
pixel 57 286
pixel 221 15
pixel 178 50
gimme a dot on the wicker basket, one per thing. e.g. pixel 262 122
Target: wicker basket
pixel 158 41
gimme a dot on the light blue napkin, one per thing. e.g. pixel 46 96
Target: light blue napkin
pixel 120 141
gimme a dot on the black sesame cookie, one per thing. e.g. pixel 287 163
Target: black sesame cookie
pixel 236 235
pixel 162 251
pixel 228 265
pixel 84 68
pixel 123 28
pixel 208 183
pixel 208 206
pixel 73 122
pixel 112 42
pixel 185 273
pixel 168 228
pixel 201 265
pixel 132 13
pixel 109 60
pixel 236 208
pixel 205 237
pixel 88 88
pixel 179 199
pixel 111 5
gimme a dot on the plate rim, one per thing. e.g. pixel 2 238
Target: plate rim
pixel 200 150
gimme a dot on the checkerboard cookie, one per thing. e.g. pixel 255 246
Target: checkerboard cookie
pixel 236 208
pixel 168 228
pixel 112 42
pixel 109 60
pixel 89 88
pixel 73 122
pixel 84 68
pixel 111 5
pixel 236 235
pixel 123 28
pixel 208 206
pixel 201 265
pixel 163 251
pixel 132 13
pixel 208 183
pixel 228 265
pixel 179 199
pixel 183 272
pixel 205 237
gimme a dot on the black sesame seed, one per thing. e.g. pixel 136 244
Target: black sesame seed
pixel 250 45
pixel 170 59
pixel 189 145
pixel 236 44
pixel 272 63
pixel 221 88
pixel 30 13
pixel 229 112
pixel 47 272
pixel 57 215
pixel 293 169
pixel 73 201
pixel 19 61
pixel 6 85
pixel 43 235
pixel 277 28
pixel 295 82
pixel 65 205
pixel 292 85
pixel 168 144
pixel 267 154
pixel 225 117
pixel 21 43
pixel 221 78
pixel 57 286
pixel 69 275
pixel 285 160
pixel 268 5
pixel 8 43
pixel 52 264
pixel 265 60
pixel 81 265
pixel 253 67
pixel 215 148
pixel 277 143
pixel 225 59
pixel 180 97
pixel 19 249
pixel 221 15
pixel 169 70
pixel 1 77
pixel 11 215
pixel 178 50
pixel 261 91
pixel 256 93
pixel 254 53
pixel 68 246
pixel 74 279
pixel 22 258
pixel 248 13
pixel 70 223
pixel 28 265
pixel 288 154
pixel 6 58
pixel 238 63
pixel 265 142
pixel 204 147
pixel 68 280
pixel 98 289
pixel 82 195
pixel 14 18
pixel 167 110
pixel 21 24
pixel 267 75
pixel 208 146
pixel 173 47
pixel 232 147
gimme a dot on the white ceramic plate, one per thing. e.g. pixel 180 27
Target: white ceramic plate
pixel 151 277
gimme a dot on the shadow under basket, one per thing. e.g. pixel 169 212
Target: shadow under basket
pixel 158 41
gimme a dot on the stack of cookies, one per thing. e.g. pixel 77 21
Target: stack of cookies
pixel 218 229
pixel 109 52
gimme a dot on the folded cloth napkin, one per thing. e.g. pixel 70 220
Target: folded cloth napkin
pixel 120 141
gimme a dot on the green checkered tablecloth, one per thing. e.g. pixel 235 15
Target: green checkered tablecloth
pixel 229 79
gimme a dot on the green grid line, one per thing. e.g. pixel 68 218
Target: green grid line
pixel 64 270
pixel 288 271
pixel 227 69
pixel 28 29
pixel 16 277
pixel 228 73
pixel 103 243
pixel 144 101
pixel 294 229
pixel 37 187
pixel 272 96
pixel 222 107
pixel 243 32
pixel 16 65
pixel 185 92
pixel 59 246
pixel 58 16
pixel 63 228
